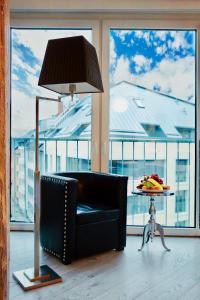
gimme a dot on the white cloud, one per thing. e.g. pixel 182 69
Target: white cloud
pixel 32 79
pixel 122 33
pixel 159 50
pixel 122 71
pixel 146 36
pixel 23 112
pixel 142 63
pixel 178 77
pixel 37 40
pixel 179 41
pixel 139 33
pixel 15 77
pixel 175 76
pixel 113 54
pixel 161 34
pixel 169 44
pixel 18 62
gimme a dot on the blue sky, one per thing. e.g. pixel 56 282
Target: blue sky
pixel 160 60
pixel 153 45
pixel 157 59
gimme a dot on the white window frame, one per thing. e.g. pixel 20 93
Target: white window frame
pixel 147 24
pixel 100 25
pixel 64 23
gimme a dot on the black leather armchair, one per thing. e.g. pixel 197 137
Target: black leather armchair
pixel 82 213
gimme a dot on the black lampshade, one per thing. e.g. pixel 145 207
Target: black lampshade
pixel 71 60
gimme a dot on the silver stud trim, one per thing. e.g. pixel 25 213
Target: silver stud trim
pixel 65 222
pixel 63 182
pixel 51 252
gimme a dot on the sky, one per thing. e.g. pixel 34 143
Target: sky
pixel 163 61
pixel 27 53
pixel 160 60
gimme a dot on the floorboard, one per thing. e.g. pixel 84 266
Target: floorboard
pixel 147 275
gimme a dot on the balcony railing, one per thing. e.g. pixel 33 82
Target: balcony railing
pixel 173 160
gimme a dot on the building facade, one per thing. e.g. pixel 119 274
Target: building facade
pixel 143 140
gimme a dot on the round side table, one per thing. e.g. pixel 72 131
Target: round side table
pixel 151 227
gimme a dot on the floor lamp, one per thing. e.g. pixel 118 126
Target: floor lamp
pixel 70 67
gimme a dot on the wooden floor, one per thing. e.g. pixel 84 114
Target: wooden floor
pixel 151 274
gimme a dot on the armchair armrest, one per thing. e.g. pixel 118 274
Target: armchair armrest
pixel 58 212
pixel 113 189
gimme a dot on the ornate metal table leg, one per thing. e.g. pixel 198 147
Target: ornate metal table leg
pixel 160 229
pixel 145 236
pixel 148 238
pixel 152 227
pixel 152 212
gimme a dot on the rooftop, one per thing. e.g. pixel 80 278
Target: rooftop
pixel 135 112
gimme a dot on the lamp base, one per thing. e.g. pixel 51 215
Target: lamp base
pixel 27 281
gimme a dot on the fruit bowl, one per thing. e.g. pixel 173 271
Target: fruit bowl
pixel 151 191
pixel 152 184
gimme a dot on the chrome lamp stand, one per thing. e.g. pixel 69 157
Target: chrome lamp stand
pixel 43 275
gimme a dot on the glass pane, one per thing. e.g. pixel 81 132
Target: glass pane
pixel 65 129
pixel 152 118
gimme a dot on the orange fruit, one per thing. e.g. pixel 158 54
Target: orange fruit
pixel 166 187
pixel 155 188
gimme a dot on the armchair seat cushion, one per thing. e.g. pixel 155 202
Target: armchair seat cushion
pixel 92 213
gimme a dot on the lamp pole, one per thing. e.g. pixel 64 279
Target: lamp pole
pixel 39 275
pixel 37 188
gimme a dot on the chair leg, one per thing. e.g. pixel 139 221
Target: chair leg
pixel 66 262
pixel 120 248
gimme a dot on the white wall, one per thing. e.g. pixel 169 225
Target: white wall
pixel 106 5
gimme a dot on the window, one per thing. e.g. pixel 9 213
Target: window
pixel 30 173
pixel 139 102
pixel 80 128
pixel 151 124
pixel 188 133
pixel 137 167
pixel 58 163
pixel 181 170
pixel 147 112
pixel 31 156
pixel 46 162
pixel 180 201
pixel 30 190
pixel 140 205
pixel 153 130
pixel 56 121
pixel 181 224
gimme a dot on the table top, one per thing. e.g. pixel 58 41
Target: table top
pixel 153 194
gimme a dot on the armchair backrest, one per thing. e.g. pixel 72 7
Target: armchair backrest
pixel 99 188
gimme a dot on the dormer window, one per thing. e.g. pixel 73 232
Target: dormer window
pixel 153 130
pixel 139 102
